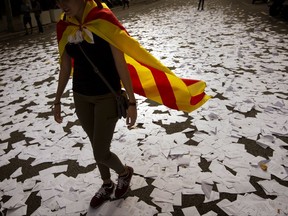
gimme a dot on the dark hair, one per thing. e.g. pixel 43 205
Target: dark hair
pixel 99 4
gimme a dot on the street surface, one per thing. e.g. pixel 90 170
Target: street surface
pixel 229 157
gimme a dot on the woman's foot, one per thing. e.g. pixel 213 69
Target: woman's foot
pixel 124 183
pixel 102 195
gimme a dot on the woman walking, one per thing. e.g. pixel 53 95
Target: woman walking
pixel 95 105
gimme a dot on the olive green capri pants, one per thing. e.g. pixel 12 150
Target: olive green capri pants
pixel 98 117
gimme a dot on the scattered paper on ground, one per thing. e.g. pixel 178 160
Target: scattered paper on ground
pixel 245 67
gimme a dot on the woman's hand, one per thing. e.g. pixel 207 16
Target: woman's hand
pixel 131 116
pixel 57 113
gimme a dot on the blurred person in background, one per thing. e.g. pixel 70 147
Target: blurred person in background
pixel 125 3
pixel 201 5
pixel 25 10
pixel 36 8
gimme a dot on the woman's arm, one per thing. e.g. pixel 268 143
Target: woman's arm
pixel 127 83
pixel 65 70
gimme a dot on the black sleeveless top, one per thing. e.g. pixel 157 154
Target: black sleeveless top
pixel 85 81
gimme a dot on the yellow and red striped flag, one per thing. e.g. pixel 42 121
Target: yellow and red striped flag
pixel 150 78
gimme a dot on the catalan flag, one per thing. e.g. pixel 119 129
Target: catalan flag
pixel 150 78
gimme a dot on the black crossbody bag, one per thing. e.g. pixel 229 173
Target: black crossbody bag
pixel 121 98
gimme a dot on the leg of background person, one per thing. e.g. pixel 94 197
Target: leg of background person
pixel 39 24
pixel 30 23
pixel 25 26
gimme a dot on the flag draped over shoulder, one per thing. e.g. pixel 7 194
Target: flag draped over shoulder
pixel 150 78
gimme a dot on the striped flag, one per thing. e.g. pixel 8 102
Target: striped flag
pixel 150 78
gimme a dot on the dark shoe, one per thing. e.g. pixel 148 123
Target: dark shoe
pixel 102 195
pixel 123 183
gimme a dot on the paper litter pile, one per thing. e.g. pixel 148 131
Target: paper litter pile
pixel 245 66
